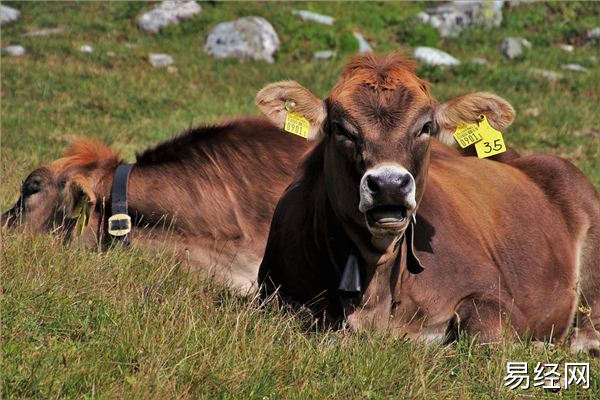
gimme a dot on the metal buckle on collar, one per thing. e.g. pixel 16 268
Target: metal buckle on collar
pixel 119 225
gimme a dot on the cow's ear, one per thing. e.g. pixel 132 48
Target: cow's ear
pixel 467 109
pixel 82 198
pixel 277 99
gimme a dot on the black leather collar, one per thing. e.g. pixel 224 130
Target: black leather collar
pixel 119 223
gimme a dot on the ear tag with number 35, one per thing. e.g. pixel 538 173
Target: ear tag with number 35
pixel 491 143
pixel 294 122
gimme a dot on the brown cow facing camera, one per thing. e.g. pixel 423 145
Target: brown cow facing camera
pixel 385 227
pixel 207 196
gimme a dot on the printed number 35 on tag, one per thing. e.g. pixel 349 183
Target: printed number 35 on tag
pixel 488 141
pixel 492 142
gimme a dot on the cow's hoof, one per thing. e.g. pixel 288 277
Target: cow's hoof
pixel 586 341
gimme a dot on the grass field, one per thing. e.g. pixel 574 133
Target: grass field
pixel 123 324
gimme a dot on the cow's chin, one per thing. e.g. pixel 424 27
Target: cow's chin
pixel 387 221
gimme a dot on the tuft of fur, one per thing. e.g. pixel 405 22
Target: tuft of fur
pixel 87 151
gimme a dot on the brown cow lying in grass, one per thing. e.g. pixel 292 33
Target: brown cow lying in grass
pixel 385 228
pixel 209 194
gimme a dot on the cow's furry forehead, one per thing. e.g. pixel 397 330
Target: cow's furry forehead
pixel 379 73
pixel 381 91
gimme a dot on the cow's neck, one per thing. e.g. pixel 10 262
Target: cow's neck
pixel 380 264
pixel 154 200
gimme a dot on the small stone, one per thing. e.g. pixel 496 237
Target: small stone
pixel 158 60
pixel 15 50
pixel 566 47
pixel 172 69
pixel 516 3
pixel 593 34
pixel 587 133
pixel 423 17
pixel 575 68
pixel 323 55
pixel 244 38
pixel 8 15
pixel 111 53
pixel 431 56
pixel 479 61
pixel 512 47
pixel 532 112
pixel 314 17
pixel 86 48
pixel 167 13
pixel 44 32
pixel 550 75
pixel 363 45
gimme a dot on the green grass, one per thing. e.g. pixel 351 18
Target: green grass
pixel 124 324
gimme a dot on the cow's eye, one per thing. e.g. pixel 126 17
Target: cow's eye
pixel 341 132
pixel 31 187
pixel 427 129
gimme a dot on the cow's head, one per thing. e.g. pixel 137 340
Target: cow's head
pixel 61 196
pixel 376 126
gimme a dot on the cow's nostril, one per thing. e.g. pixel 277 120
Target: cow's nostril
pixel 403 181
pixel 373 184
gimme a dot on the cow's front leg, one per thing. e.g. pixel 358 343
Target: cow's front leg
pixel 488 319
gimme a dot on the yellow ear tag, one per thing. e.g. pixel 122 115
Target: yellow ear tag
pixel 294 122
pixel 492 142
pixel 82 219
pixel 467 134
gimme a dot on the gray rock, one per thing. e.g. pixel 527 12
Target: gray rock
pixel 550 75
pixel 86 48
pixel 363 45
pixel 8 15
pixel 566 47
pixel 160 60
pixel 512 47
pixel 450 19
pixel 15 50
pixel 593 34
pixel 575 68
pixel 44 32
pixel 532 112
pixel 314 17
pixel 587 133
pixel 423 17
pixel 167 13
pixel 516 3
pixel 323 55
pixel 431 56
pixel 479 61
pixel 244 38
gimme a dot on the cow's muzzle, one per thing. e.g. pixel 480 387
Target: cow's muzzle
pixel 10 218
pixel 387 198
